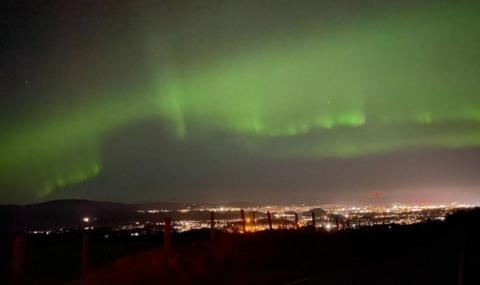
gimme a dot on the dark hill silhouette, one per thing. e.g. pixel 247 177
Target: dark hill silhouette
pixel 435 252
pixel 62 213
pixel 318 212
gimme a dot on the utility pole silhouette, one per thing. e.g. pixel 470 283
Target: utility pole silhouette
pixel 167 229
pixel 254 222
pixel 244 225
pixel 313 220
pixel 212 225
pixel 269 217
pixel 296 221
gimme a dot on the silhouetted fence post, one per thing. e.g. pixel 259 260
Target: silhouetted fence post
pixel 296 221
pixel 337 223
pixel 313 220
pixel 244 225
pixel 18 259
pixel 167 229
pixel 461 268
pixel 212 225
pixel 269 217
pixel 84 269
pixel 254 222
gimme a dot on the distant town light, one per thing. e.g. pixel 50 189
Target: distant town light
pixel 86 219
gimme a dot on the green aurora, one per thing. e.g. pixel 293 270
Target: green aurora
pixel 377 81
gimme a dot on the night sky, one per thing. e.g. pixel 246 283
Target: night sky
pixel 215 101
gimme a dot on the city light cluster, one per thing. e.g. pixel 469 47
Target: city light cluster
pixel 329 217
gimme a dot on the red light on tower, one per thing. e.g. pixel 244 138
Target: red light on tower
pixel 376 196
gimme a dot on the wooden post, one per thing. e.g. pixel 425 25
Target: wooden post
pixel 212 224
pixel 167 229
pixel 313 220
pixel 297 226
pixel 337 223
pixel 244 225
pixel 269 217
pixel 84 273
pixel 254 222
pixel 18 259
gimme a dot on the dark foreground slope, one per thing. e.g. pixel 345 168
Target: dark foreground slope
pixel 430 253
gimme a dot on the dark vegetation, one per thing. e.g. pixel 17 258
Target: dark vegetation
pixel 428 253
